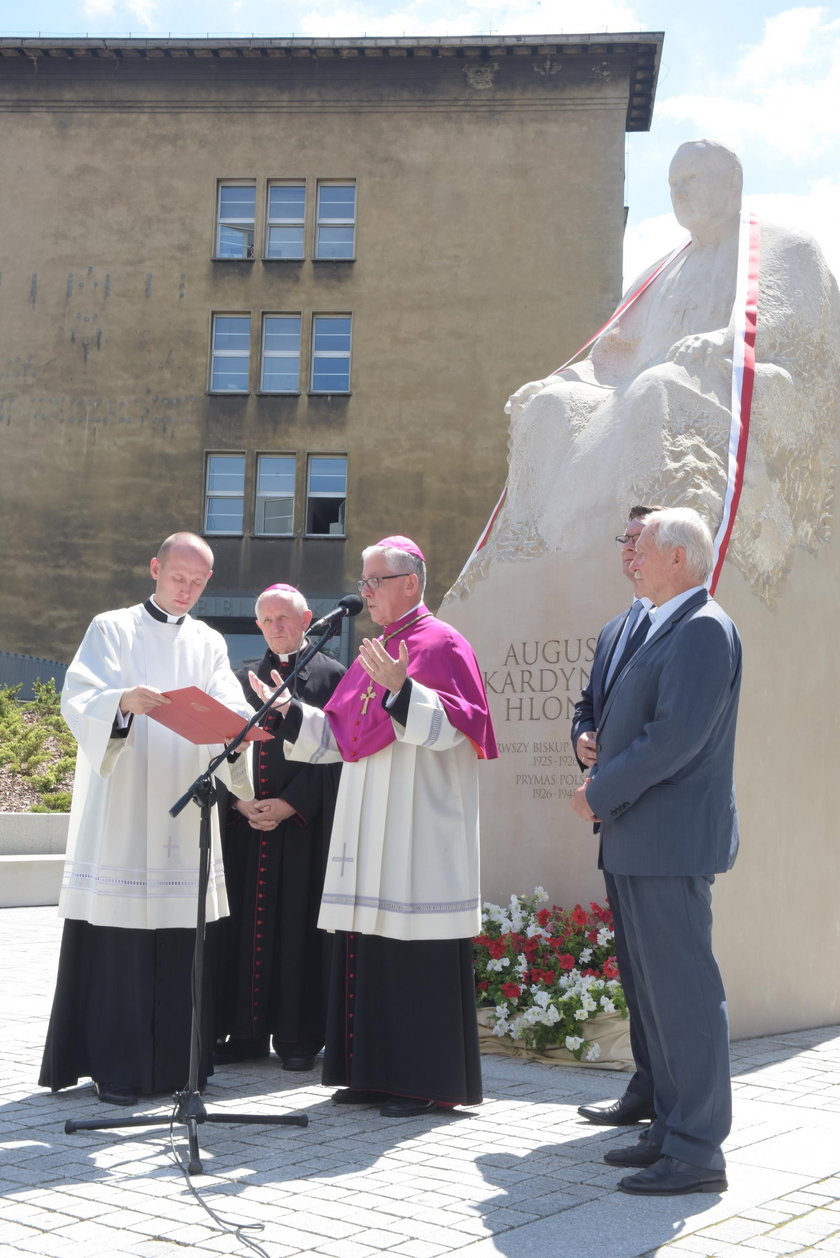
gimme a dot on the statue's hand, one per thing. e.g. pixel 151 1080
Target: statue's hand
pixel 701 349
pixel 517 401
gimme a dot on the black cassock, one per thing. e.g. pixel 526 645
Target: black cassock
pixel 273 962
pixel 402 1018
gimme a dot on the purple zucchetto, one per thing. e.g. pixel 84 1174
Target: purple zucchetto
pixel 281 587
pixel 398 542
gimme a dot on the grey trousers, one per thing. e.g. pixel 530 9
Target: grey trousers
pixel 682 1004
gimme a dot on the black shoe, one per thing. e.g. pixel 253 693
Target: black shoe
pixel 296 1056
pixel 643 1153
pixel 671 1178
pixel 228 1051
pixel 359 1096
pixel 297 1061
pixel 630 1109
pixel 111 1094
pixel 406 1107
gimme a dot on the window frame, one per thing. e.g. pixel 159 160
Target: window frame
pixel 235 223
pixel 216 494
pixel 311 458
pixel 320 222
pixel 216 354
pixel 266 355
pixel 315 354
pixel 258 497
pixel 269 222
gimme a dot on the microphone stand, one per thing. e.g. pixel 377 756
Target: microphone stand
pixel 190 1109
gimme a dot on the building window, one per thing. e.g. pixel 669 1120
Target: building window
pixel 326 494
pixel 236 218
pixel 331 353
pixel 224 499
pixel 231 353
pixel 280 354
pixel 335 228
pixel 275 504
pixel 286 217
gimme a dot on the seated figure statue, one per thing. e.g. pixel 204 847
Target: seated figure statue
pixel 646 415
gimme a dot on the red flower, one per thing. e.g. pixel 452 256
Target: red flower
pixel 579 916
pixel 531 947
pixel 511 990
pixel 544 917
pixel 547 977
pixel 483 985
pixel 566 961
pixel 591 974
pixel 482 941
pixel 610 968
pixel 497 948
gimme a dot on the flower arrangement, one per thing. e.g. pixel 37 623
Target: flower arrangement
pixel 542 973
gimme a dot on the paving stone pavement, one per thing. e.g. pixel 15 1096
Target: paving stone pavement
pixel 520 1176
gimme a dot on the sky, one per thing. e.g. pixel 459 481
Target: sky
pixel 760 76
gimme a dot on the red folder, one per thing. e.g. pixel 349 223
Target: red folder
pixel 202 719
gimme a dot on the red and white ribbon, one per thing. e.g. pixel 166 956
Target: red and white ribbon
pixel 744 318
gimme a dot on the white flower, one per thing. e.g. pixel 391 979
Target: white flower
pixel 522 963
pixel 593 1052
pixel 607 1005
pixel 498 963
pixel 585 955
pixel 573 1042
pixel 581 1014
pixel 605 936
pixel 501 1024
pixel 535 931
pixel 540 894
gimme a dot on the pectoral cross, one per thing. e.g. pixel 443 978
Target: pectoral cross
pixel 367 695
pixel 171 846
pixel 344 859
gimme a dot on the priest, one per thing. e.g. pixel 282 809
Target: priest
pixel 274 962
pixel 410 721
pixel 122 1012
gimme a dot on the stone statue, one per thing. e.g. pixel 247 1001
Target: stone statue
pixel 645 416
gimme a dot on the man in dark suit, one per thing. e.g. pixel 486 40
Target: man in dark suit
pixel 617 641
pixel 274 962
pixel 662 788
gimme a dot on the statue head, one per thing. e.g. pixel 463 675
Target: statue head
pixel 706 180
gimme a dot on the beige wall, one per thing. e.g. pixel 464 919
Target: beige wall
pixel 489 233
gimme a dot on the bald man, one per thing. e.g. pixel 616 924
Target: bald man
pixel 122 1011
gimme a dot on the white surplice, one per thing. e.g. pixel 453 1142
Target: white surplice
pixel 129 863
pixel 404 852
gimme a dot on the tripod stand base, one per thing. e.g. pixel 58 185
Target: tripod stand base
pixel 191 1112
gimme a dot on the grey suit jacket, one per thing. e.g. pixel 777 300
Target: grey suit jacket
pixel 663 785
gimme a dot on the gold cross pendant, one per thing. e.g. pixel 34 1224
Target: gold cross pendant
pixel 366 697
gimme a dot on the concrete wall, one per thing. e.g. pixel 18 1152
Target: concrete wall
pixel 32 847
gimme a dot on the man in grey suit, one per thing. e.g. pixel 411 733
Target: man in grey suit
pixel 663 791
pixel 617 641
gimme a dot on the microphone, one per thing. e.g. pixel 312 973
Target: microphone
pixel 350 605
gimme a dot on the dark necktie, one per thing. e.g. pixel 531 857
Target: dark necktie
pixel 632 644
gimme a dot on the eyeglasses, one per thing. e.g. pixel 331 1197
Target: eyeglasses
pixel 629 539
pixel 373 583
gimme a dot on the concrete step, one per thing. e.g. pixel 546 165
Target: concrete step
pixel 29 880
